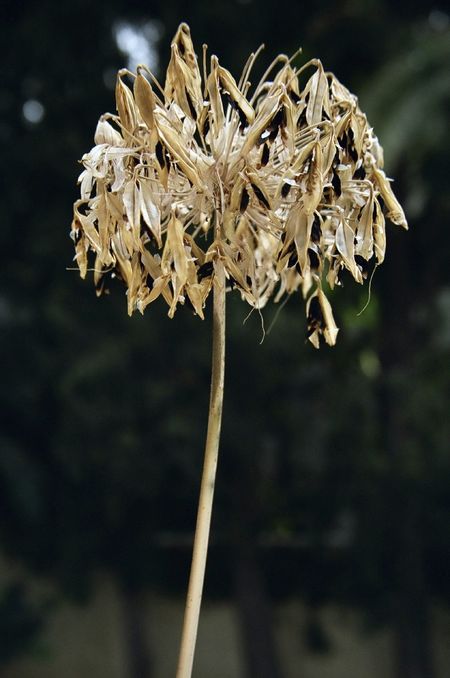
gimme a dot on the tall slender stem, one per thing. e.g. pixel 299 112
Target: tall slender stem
pixel 195 588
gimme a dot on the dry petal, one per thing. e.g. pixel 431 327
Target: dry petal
pixel 145 100
pixel 125 106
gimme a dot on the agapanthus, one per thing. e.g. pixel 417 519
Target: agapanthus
pixel 283 184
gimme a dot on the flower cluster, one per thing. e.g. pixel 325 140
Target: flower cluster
pixel 284 187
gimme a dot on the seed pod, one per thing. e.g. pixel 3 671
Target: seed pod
pixel 125 106
pixel 145 100
pixel 229 84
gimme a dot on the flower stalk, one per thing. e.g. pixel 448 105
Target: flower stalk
pixel 202 530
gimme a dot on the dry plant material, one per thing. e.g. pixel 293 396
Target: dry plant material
pixel 294 174
pixel 199 182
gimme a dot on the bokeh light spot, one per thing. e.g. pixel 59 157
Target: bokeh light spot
pixel 33 111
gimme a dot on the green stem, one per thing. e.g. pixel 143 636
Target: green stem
pixel 195 588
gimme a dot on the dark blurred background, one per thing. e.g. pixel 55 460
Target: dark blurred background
pixel 330 552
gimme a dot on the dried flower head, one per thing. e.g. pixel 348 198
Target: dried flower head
pixel 284 187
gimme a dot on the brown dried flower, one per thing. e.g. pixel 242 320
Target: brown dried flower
pixel 284 187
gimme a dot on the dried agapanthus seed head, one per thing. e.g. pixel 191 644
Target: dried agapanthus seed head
pixel 284 187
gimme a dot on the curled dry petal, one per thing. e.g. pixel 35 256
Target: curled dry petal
pixel 125 107
pixel 145 100
pixel 320 319
pixel 284 186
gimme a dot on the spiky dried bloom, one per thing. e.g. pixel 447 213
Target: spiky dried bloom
pixel 284 187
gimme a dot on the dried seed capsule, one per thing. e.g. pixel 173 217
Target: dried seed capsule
pixel 260 195
pixel 244 200
pixel 265 155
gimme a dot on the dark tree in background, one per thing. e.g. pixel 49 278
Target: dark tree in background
pixel 102 417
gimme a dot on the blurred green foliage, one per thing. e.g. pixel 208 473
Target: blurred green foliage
pixel 20 624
